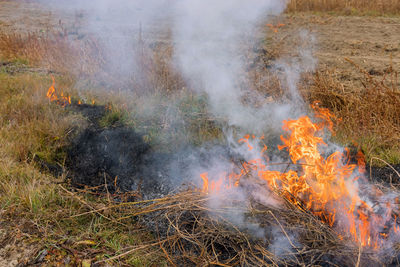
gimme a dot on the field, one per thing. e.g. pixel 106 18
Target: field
pixel 57 209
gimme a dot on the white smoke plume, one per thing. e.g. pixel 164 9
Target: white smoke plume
pixel 207 36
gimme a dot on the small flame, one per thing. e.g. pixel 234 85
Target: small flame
pixel 52 95
pixel 223 183
pixel 361 162
pixel 276 27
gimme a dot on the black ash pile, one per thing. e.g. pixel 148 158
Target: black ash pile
pixel 117 158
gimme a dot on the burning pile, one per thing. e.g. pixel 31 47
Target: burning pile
pixel 328 187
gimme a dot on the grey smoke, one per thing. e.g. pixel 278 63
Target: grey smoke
pixel 208 36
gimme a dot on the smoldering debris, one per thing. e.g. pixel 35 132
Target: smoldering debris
pixel 191 236
pixel 102 157
pixel 117 158
pixel 195 231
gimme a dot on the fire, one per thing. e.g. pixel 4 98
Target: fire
pixel 276 27
pixel 326 186
pixel 52 95
pixel 361 162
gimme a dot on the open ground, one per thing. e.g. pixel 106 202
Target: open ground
pixel 48 218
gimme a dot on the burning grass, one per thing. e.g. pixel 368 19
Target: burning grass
pixel 370 115
pixel 33 203
pixel 29 125
pixel 192 233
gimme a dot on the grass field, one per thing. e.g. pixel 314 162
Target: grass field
pixel 47 218
pixel 381 7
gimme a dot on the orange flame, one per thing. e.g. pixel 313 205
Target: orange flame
pixel 276 27
pixel 361 162
pixel 325 186
pixel 52 95
pixel 225 182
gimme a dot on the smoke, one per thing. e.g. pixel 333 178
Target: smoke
pixel 293 67
pixel 208 38
pixel 118 26
pixel 209 35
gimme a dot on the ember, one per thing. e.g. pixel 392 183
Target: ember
pixel 328 187
pixel 276 27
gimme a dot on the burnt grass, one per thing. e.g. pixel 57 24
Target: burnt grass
pixel 105 158
pixel 384 174
pixel 116 158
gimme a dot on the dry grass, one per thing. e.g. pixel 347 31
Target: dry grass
pixel 348 7
pixel 41 212
pixel 192 233
pixel 29 124
pixel 63 218
pixel 370 116
pixel 32 127
pixel 49 50
pixel 35 208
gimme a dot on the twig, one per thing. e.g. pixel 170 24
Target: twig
pixel 105 185
pixel 133 250
pixel 359 252
pixel 283 230
pixel 86 204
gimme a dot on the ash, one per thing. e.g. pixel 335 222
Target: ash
pixel 118 158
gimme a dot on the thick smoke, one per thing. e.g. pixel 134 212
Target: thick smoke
pixel 208 39
pixel 209 35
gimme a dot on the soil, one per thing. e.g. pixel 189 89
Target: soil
pixel 371 42
pixel 15 250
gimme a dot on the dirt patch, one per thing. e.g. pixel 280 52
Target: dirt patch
pixel 373 43
pixel 14 249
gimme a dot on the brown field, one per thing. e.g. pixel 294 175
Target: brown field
pixel 379 7
pixel 44 221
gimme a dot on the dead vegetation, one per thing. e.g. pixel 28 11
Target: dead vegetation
pixel 190 233
pixel 48 50
pixel 346 7
pixel 103 227
pixel 370 116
